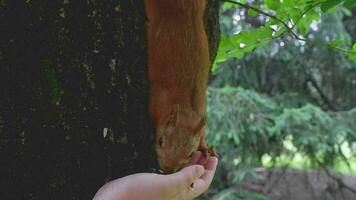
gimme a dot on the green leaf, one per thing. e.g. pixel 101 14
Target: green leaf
pixel 346 11
pixel 228 48
pixel 252 13
pixel 336 43
pixel 313 15
pixel 330 4
pixel 352 55
pixel 288 3
pixel 241 1
pixel 214 68
pixel 272 4
pixel 350 4
pixel 238 45
pixel 228 5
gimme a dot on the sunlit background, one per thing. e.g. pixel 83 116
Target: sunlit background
pixel 282 105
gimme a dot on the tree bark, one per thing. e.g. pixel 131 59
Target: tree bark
pixel 74 95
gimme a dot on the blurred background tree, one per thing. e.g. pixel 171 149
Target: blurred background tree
pixel 283 91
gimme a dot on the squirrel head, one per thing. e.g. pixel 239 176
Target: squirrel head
pixel 178 138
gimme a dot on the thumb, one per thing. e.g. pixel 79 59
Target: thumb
pixel 185 177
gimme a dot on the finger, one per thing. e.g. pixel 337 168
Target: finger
pixel 203 159
pixel 195 158
pixel 210 168
pixel 202 184
pixel 211 163
pixel 185 177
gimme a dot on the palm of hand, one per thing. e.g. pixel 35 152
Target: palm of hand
pixel 186 184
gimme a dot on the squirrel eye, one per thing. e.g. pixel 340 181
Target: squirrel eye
pixel 160 141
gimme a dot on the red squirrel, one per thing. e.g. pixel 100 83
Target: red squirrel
pixel 178 64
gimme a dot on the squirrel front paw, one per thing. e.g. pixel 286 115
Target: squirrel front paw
pixel 208 151
pixel 212 152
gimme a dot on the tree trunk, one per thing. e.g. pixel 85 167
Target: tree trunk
pixel 74 95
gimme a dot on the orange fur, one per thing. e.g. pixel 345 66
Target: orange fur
pixel 178 61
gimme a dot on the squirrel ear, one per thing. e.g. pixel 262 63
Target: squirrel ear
pixel 200 125
pixel 174 116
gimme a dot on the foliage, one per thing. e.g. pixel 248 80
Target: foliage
pixel 278 19
pixel 256 125
pixel 247 126
pixel 282 93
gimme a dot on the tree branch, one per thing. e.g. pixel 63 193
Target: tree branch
pixel 338 180
pixel 305 12
pixel 246 6
pixel 285 25
pixel 323 96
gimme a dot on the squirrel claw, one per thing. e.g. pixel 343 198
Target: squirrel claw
pixel 208 151
pixel 212 151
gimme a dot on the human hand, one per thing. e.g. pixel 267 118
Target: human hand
pixel 185 184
